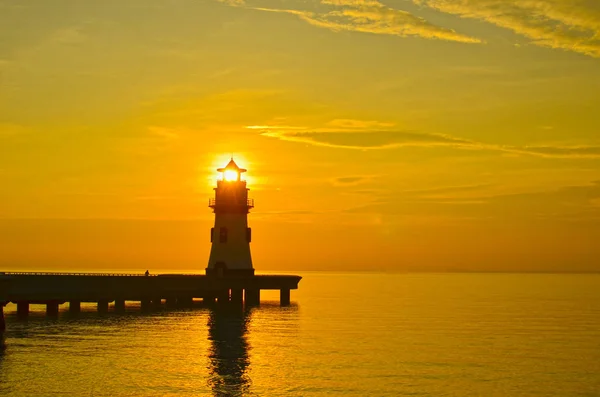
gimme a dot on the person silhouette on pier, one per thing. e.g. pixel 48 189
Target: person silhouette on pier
pixel 147 273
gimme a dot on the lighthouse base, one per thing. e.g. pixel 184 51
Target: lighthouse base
pixel 224 272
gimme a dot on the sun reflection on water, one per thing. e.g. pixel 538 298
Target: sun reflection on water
pixel 228 354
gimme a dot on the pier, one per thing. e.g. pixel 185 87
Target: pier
pixel 230 277
pixel 175 290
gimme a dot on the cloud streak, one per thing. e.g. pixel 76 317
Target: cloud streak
pixel 570 205
pixel 350 180
pixel 572 25
pixel 360 139
pixel 365 16
pixel 373 17
pixel 8 129
pixel 567 203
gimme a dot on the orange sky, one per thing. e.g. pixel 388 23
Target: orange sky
pixel 399 135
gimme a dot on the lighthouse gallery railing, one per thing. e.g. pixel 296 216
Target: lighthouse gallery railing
pixel 213 202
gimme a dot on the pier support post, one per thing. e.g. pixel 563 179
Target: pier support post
pixel 284 297
pixel 52 308
pixel 119 305
pixel 145 305
pixel 223 296
pixel 252 297
pixel 74 306
pixel 171 302
pixel 237 296
pixel 156 303
pixel 103 306
pixel 22 309
pixel 2 321
pixel 185 301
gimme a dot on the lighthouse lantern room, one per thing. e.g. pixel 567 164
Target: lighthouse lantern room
pixel 230 236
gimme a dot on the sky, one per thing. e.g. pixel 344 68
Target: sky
pixel 404 135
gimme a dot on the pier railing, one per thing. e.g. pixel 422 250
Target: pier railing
pixel 76 274
pixel 261 276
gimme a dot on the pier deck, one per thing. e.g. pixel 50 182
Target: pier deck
pixel 54 289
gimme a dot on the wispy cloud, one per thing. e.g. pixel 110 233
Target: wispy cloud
pixel 445 190
pixel 233 2
pixel 560 151
pixel 366 139
pixel 365 16
pixel 351 180
pixel 9 129
pixel 362 124
pixel 566 203
pixel 154 139
pixel 168 134
pixel 572 25
pixel 361 140
pixel 69 35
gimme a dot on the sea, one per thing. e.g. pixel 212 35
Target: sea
pixel 345 334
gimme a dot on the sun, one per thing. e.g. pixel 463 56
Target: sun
pixel 231 175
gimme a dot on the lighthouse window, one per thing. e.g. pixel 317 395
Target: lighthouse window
pixel 249 234
pixel 223 235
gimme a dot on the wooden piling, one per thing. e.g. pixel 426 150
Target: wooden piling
pixel 237 296
pixel 102 306
pixel 2 321
pixel 156 303
pixel 52 308
pixel 223 296
pixel 171 302
pixel 74 306
pixel 284 297
pixel 252 297
pixel 119 305
pixel 145 305
pixel 185 301
pixel 22 309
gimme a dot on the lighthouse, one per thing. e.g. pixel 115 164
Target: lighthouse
pixel 230 236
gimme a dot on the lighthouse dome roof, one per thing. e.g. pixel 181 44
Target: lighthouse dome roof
pixel 231 166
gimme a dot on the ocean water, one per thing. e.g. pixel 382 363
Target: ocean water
pixel 346 334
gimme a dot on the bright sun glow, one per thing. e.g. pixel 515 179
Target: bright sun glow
pixel 230 175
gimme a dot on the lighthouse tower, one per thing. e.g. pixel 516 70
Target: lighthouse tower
pixel 231 236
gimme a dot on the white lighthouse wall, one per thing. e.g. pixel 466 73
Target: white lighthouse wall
pixel 235 253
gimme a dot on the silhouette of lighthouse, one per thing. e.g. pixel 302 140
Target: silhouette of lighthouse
pixel 230 236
